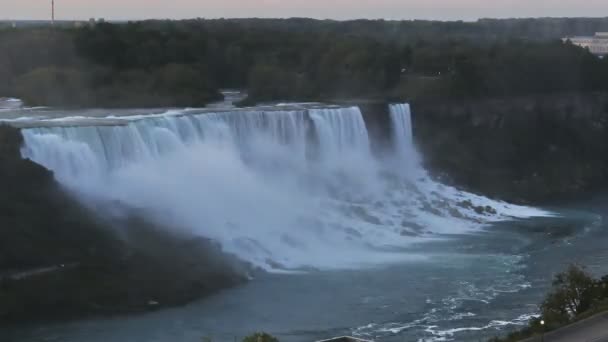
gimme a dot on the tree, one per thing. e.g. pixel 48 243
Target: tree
pixel 260 337
pixel 52 86
pixel 574 292
pixel 267 83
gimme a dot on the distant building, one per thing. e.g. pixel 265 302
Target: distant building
pixel 597 44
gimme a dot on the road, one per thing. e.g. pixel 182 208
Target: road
pixel 593 329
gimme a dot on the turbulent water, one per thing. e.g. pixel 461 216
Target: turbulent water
pixel 357 241
pixel 286 188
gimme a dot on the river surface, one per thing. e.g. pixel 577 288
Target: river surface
pixel 466 288
pixel 389 253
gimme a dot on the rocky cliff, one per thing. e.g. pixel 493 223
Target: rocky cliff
pixel 59 259
pixel 524 149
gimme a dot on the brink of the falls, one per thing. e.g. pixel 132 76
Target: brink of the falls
pixel 282 188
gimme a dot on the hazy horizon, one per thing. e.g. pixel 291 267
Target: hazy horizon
pixel 468 10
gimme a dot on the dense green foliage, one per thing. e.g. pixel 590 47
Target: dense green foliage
pixel 164 63
pixel 574 295
pixel 257 337
pixel 525 149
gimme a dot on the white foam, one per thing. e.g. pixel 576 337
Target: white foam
pixel 287 188
pixel 19 119
pixel 447 334
pixel 426 325
pixel 451 315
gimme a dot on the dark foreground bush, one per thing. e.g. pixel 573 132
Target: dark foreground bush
pixel 260 337
pixel 575 295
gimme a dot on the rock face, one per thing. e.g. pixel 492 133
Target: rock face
pixel 60 260
pixel 526 149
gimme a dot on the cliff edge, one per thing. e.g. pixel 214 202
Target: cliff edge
pixel 521 149
pixel 59 259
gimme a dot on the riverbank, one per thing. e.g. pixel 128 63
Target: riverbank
pixel 573 310
pixel 465 289
pixel 594 329
pixel 60 260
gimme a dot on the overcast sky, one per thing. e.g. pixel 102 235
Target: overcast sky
pixel 333 9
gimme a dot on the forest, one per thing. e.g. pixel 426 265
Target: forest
pixel 186 63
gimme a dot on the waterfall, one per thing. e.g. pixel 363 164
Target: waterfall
pixel 282 187
pixel 341 130
pixel 403 137
pixel 76 152
pixel 401 122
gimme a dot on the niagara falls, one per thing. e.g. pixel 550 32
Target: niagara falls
pixel 303 172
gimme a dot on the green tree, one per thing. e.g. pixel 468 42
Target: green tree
pixel 260 337
pixel 574 292
pixel 52 86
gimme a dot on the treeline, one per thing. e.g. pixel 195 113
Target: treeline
pixel 185 63
pixel 483 31
pixel 44 67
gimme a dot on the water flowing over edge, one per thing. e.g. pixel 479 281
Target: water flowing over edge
pixel 283 188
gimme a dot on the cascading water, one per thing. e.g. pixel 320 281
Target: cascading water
pixel 283 189
pixel 403 133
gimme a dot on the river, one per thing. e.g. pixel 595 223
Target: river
pixel 350 241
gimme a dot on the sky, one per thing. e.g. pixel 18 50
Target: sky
pixel 322 9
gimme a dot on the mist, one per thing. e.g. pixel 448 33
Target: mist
pixel 253 181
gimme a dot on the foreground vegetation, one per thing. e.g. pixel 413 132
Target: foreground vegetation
pixel 257 337
pixel 165 63
pixel 575 295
